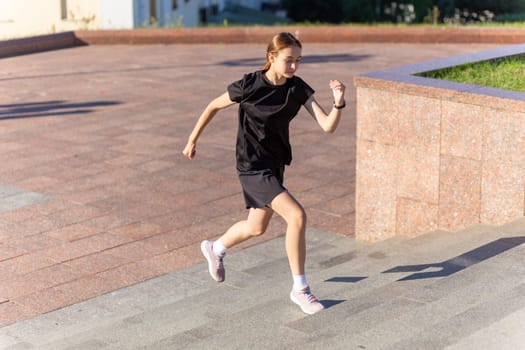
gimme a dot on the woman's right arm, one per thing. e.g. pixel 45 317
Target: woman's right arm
pixel 207 115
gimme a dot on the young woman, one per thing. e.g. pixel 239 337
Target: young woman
pixel 268 100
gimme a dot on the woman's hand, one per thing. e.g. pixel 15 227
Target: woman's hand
pixel 338 90
pixel 221 102
pixel 189 150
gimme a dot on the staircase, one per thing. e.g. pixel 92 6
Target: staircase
pixel 463 290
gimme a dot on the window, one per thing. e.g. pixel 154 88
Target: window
pixel 174 4
pixel 153 11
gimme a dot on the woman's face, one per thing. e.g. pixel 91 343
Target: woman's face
pixel 286 61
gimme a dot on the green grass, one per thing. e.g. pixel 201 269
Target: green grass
pixel 506 74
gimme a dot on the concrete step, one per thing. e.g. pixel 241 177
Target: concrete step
pixel 428 292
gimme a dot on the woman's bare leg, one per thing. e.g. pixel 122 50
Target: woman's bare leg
pixel 293 213
pixel 255 225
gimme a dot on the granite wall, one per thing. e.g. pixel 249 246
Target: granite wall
pixel 436 155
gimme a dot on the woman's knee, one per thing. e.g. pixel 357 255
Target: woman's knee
pixel 258 221
pixel 290 209
pixel 258 229
pixel 297 217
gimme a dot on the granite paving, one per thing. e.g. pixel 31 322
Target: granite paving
pixel 397 294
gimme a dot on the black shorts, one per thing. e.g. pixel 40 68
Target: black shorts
pixel 260 187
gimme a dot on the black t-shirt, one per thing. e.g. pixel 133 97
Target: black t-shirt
pixel 265 112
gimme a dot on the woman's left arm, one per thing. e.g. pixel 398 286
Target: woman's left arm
pixel 328 122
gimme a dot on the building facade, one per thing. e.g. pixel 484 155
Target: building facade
pixel 258 5
pixel 37 17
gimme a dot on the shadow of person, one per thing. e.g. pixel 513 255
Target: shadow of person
pixel 460 262
pixel 50 108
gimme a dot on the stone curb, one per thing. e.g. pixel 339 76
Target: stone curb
pixel 16 47
pixel 317 34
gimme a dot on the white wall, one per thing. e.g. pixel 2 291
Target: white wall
pixel 116 14
pixel 36 17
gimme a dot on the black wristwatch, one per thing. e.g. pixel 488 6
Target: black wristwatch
pixel 341 106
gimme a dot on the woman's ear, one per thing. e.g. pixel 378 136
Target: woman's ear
pixel 271 57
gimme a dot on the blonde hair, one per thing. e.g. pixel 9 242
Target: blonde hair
pixel 279 42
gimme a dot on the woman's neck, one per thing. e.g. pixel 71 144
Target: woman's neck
pixel 273 78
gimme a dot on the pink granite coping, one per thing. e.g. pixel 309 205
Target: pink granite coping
pixel 435 154
pixel 405 76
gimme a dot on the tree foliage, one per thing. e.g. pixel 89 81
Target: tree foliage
pixel 497 6
pixel 361 10
pixel 337 11
pixel 314 10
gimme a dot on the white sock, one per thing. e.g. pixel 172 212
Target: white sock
pixel 219 248
pixel 299 282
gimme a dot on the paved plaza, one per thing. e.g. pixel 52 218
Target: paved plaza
pixel 101 217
